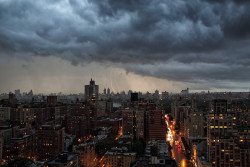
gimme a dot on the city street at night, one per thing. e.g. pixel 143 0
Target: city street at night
pixel 177 153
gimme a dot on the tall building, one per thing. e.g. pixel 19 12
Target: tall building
pixel 134 97
pixel 140 124
pixel 180 110
pixel 228 134
pixel 127 122
pixel 194 125
pixel 156 125
pixel 108 91
pixel 109 106
pixel 133 123
pixel 50 141
pixel 77 125
pixel 164 95
pixel 12 99
pixel 156 95
pixel 91 91
pixel 105 91
pixel 18 93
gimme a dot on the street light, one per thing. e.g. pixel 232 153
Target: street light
pixel 183 163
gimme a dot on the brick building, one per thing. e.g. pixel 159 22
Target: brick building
pixel 156 125
pixel 50 141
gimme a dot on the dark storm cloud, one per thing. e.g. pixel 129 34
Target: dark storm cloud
pixel 177 40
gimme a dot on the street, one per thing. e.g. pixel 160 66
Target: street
pixel 177 153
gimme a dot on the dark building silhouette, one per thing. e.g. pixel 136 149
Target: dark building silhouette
pixel 134 97
pixel 51 100
pixel 108 91
pixel 12 99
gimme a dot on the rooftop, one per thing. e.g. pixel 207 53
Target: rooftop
pixel 64 158
pixel 120 151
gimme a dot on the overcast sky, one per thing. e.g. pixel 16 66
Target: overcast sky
pixel 57 46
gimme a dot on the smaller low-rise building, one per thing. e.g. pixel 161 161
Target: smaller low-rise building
pixel 87 154
pixel 201 162
pixel 22 146
pixel 156 154
pixel 4 113
pixel 119 157
pixel 65 159
pixel 6 132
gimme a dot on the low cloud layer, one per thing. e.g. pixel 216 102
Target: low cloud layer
pixel 186 41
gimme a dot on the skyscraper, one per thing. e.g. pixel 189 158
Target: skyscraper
pixel 91 91
pixel 108 91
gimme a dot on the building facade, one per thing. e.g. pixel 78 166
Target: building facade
pixel 156 125
pixel 50 141
pixel 228 134
pixel 91 91
pixel 119 157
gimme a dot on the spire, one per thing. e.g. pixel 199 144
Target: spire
pixel 92 82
